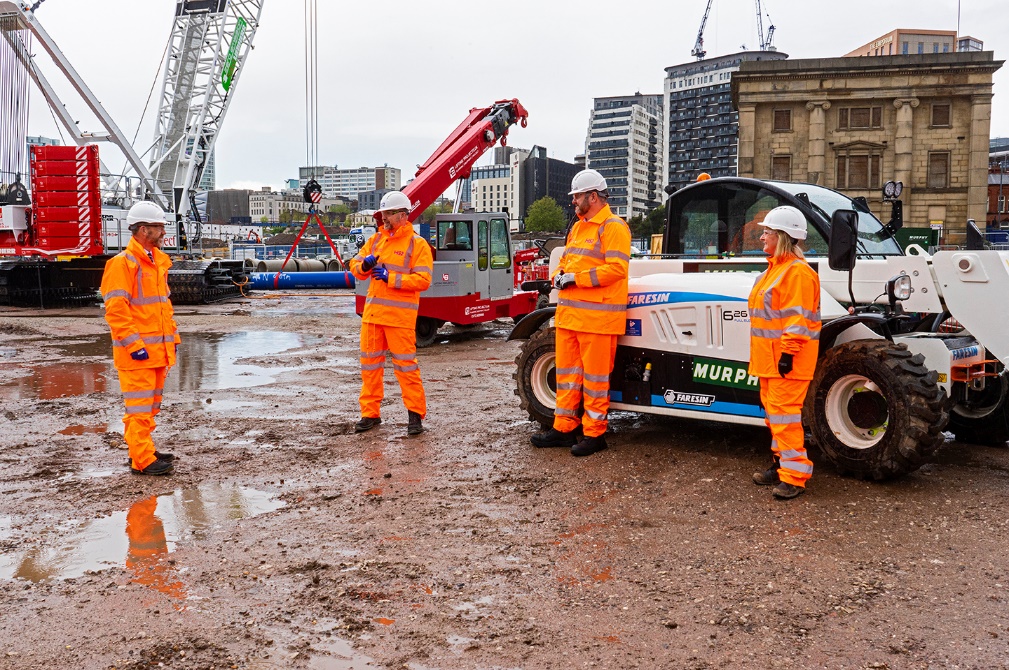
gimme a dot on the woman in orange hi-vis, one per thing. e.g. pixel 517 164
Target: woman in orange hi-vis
pixel 591 313
pixel 784 308
pixel 399 264
pixel 144 334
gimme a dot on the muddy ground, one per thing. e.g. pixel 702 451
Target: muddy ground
pixel 286 541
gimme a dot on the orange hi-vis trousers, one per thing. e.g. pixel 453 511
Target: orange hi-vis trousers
pixel 402 346
pixel 782 400
pixel 584 363
pixel 142 390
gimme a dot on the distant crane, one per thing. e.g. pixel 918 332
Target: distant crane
pixel 765 44
pixel 698 50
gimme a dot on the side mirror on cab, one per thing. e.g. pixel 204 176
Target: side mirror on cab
pixel 843 240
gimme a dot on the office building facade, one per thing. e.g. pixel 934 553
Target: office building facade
pixel 347 183
pixel 700 124
pixel 624 145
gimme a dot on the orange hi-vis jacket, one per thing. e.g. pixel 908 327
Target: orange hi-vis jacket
pixel 137 307
pixel 597 251
pixel 407 257
pixel 784 308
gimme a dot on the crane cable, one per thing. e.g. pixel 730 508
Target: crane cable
pixel 311 86
pixel 15 53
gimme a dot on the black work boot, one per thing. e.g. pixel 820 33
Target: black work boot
pixel 554 438
pixel 768 477
pixel 160 455
pixel 156 468
pixel 414 426
pixel 784 491
pixel 366 423
pixel 589 446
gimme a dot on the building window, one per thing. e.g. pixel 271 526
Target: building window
pixel 921 47
pixel 938 169
pixel 782 119
pixel 903 48
pixel 945 48
pixel 856 118
pixel 781 168
pixel 858 171
pixel 1001 204
pixel 940 116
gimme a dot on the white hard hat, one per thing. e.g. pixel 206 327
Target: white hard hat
pixel 587 180
pixel 144 212
pixel 787 219
pixel 395 200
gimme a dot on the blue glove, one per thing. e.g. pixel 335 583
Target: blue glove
pixel 380 273
pixel 140 355
pixel 369 262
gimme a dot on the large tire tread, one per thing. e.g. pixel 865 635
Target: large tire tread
pixel 542 342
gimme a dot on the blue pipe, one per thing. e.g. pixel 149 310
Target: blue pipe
pixel 263 281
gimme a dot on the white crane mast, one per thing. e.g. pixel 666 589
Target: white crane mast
pixel 206 52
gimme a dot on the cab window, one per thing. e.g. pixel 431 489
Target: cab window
pixel 454 236
pixel 481 242
pixel 499 257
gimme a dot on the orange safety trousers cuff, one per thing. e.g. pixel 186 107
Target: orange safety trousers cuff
pixel 401 344
pixel 782 400
pixel 142 390
pixel 584 364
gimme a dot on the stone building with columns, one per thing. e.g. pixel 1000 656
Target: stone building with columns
pixel 852 124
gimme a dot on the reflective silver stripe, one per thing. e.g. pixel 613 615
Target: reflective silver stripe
pixel 399 367
pixel 797 467
pixel 405 269
pixel 409 253
pixel 769 292
pixel 613 219
pixel 131 257
pixel 599 379
pixel 618 254
pixel 392 303
pixel 359 257
pixel 373 354
pixel 372 366
pixel 398 283
pixel 569 371
pixel 126 341
pixel 561 411
pixel 802 330
pixel 784 418
pixel 596 393
pixel 792 453
pixel 149 301
pixel 158 339
pixel 160 391
pixel 594 278
pixel 798 310
pixel 117 293
pixel 139 409
pixel 595 415
pixel 765 333
pixel 404 357
pixel 156 405
pixel 595 306
pixel 568 386
pixel 422 268
pixel 774 443
pixel 591 253
pixel 131 395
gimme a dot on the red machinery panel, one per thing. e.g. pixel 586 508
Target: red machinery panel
pixel 80 198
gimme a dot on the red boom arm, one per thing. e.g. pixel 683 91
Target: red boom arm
pixel 453 159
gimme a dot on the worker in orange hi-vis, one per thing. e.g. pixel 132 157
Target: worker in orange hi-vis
pixel 591 279
pixel 148 549
pixel 784 308
pixel 144 335
pixel 398 262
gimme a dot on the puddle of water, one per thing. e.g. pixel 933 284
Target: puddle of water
pixel 97 429
pixel 140 538
pixel 207 362
pixel 85 475
pixel 8 352
pixel 340 655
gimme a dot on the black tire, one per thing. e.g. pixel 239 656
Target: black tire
pixel 542 301
pixel 874 409
pixel 986 419
pixel 427 330
pixel 536 376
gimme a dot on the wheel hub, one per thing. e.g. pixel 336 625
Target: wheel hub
pixel 856 411
pixel 867 409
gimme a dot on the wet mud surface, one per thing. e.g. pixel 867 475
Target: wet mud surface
pixel 284 540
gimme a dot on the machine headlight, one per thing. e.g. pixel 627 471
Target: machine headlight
pixel 898 288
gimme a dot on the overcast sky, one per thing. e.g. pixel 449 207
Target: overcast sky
pixel 396 77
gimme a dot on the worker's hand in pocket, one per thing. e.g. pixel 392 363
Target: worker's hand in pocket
pixel 564 279
pixel 369 262
pixel 140 355
pixel 380 273
pixel 785 364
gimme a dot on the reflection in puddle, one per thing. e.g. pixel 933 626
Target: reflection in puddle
pixel 139 538
pixel 207 361
pixel 340 655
